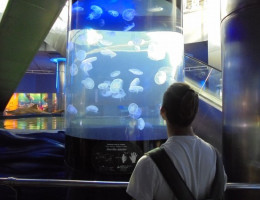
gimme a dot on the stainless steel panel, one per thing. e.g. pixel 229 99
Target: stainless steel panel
pixel 241 94
pixel 229 6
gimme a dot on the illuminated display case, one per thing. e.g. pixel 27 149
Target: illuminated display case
pixel 121 57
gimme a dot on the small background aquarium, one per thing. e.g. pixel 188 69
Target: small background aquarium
pixel 121 57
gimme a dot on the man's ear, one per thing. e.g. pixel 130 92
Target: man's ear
pixel 163 113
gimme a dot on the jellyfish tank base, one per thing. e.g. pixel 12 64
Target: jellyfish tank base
pixel 106 160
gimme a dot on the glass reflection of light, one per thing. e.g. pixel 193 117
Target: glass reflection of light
pixel 93 37
pixel 10 124
pixel 39 123
pixel 170 43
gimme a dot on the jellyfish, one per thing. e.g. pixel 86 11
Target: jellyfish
pixel 114 13
pixel 135 82
pixel 136 89
pixel 108 52
pixel 77 9
pixel 136 71
pixel 97 12
pixel 72 110
pixel 103 86
pixel 92 109
pixel 129 27
pixel 160 77
pixel 93 37
pixel 86 66
pixel 156 52
pixel 140 124
pixel 81 55
pixel 132 108
pixel 128 14
pixel 137 113
pixel 91 59
pixel 73 70
pixel 115 74
pixel 106 93
pixel 138 41
pixel 116 85
pixel 121 94
pixel 88 83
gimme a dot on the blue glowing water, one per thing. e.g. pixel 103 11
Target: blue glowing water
pixel 119 65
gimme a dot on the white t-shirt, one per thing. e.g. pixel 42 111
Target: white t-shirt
pixel 194 159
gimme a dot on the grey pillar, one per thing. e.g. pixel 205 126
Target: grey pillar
pixel 240 35
pixel 60 84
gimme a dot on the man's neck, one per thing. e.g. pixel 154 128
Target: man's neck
pixel 179 131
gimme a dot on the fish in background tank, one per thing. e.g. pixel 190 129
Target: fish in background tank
pixel 121 57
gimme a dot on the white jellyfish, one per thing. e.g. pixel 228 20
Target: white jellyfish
pixel 73 70
pixel 160 77
pixel 88 83
pixel 106 93
pixel 108 52
pixel 90 59
pixel 103 86
pixel 136 89
pixel 115 74
pixel 140 124
pixel 121 94
pixel 137 113
pixel 92 109
pixel 81 55
pixel 136 71
pixel 128 14
pixel 129 27
pixel 116 85
pixel 72 110
pixel 97 12
pixel 156 52
pixel 86 67
pixel 132 108
pixel 77 9
pixel 135 82
pixel 114 13
pixel 93 37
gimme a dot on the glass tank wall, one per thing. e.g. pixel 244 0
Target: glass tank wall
pixel 121 57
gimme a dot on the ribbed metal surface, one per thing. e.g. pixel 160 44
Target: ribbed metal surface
pixel 23 28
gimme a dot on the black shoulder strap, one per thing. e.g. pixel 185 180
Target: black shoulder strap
pixel 175 181
pixel 217 188
pixel 170 174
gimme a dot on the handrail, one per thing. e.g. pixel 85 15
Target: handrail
pixel 13 182
pixel 199 61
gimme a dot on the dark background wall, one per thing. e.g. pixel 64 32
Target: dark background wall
pixel 37 83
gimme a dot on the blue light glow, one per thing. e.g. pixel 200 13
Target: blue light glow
pixel 57 60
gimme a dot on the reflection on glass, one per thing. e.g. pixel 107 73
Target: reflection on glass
pixel 34 123
pixel 206 79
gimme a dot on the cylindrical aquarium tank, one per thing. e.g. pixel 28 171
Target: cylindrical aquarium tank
pixel 121 57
